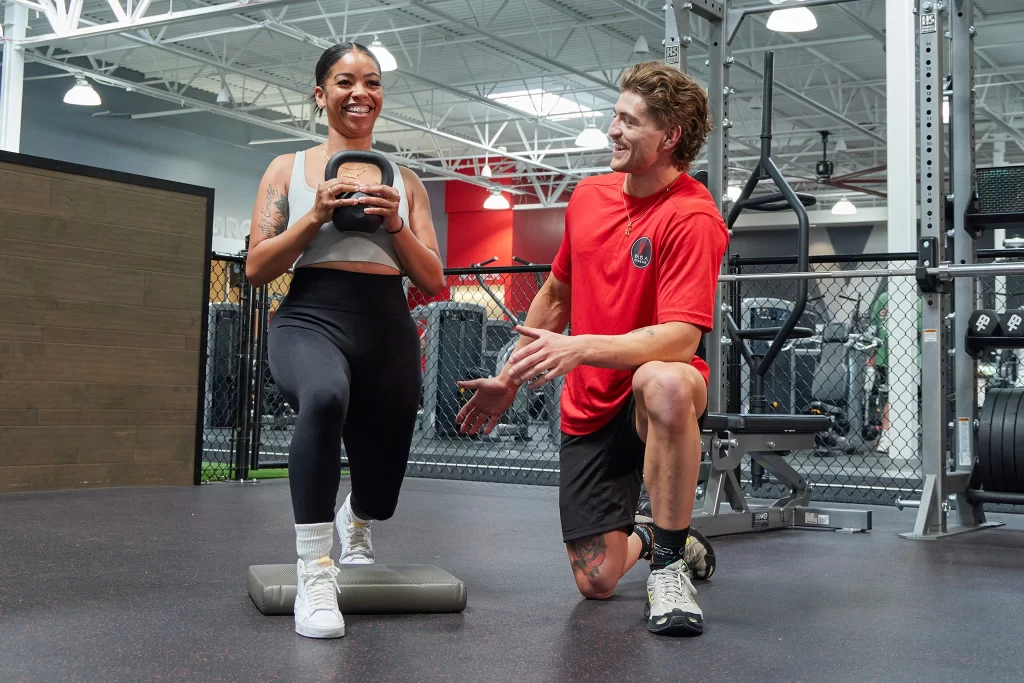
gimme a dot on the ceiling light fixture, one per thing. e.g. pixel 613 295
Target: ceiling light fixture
pixel 591 137
pixel 496 201
pixel 82 94
pixel 794 20
pixel 844 207
pixel 383 55
pixel 486 173
pixel 641 47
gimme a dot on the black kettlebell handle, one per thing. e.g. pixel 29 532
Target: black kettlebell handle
pixel 352 218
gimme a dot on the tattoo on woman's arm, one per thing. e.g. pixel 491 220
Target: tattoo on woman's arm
pixel 274 214
pixel 645 331
pixel 588 554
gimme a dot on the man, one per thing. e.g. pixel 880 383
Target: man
pixel 636 276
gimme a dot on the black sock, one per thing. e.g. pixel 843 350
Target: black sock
pixel 668 546
pixel 646 535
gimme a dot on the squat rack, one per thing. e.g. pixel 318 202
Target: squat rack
pixel 950 443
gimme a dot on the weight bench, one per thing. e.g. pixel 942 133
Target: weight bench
pixel 365 589
pixel 727 438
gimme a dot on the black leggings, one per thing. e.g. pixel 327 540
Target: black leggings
pixel 345 353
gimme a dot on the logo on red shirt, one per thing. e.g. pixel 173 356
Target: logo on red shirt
pixel 641 252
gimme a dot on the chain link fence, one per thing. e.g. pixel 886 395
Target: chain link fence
pixel 468 334
pixel 861 367
pixel 225 340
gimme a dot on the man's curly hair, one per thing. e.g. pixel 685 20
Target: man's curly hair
pixel 673 99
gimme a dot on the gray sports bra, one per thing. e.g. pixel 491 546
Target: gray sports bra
pixel 333 245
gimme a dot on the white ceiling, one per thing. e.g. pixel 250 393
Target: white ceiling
pixel 454 54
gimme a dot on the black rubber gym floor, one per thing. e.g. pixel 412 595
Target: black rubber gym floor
pixel 149 584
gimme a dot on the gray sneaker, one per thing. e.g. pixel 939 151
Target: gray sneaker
pixel 671 608
pixel 356 546
pixel 699 556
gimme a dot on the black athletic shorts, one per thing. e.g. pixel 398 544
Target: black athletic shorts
pixel 600 478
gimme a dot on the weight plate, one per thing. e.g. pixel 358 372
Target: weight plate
pixel 999 471
pixel 1013 453
pixel 985 438
pixel 999 421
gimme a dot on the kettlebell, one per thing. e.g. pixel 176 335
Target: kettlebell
pixel 353 218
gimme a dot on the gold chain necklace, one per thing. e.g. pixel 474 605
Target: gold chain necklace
pixel 629 221
pixel 347 173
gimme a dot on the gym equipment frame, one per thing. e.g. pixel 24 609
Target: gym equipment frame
pixel 949 468
pixel 762 436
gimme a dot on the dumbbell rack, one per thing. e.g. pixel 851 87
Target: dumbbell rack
pixel 997 338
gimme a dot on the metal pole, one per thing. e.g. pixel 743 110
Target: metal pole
pixel 718 162
pixel 962 176
pixel 12 80
pixel 259 376
pixel 902 343
pixel 931 517
pixel 735 357
pixel 677 33
pixel 964 252
pixel 244 389
pixel 943 272
pixel 999 234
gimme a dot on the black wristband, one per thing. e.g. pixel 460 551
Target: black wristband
pixel 396 231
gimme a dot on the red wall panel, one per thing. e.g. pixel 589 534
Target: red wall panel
pixel 476 234
pixel 537 234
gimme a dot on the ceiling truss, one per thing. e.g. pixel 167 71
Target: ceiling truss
pixel 441 116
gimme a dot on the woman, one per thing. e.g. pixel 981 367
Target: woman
pixel 343 347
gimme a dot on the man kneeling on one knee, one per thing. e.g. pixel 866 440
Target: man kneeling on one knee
pixel 635 275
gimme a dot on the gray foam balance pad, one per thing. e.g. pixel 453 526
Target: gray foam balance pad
pixel 365 589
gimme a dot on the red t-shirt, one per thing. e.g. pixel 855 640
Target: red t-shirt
pixel 665 270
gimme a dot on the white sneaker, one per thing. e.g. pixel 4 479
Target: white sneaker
pixel 671 609
pixel 883 444
pixel 356 546
pixel 316 600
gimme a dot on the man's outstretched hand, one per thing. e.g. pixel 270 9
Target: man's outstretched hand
pixel 549 356
pixel 491 398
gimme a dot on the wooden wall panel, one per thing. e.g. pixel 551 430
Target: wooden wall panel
pixel 18 225
pixel 84 315
pixel 103 279
pixel 83 396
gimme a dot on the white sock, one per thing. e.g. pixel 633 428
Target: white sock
pixel 352 512
pixel 313 541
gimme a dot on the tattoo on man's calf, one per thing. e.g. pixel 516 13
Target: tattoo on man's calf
pixel 588 554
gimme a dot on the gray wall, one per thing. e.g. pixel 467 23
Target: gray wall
pixel 198 148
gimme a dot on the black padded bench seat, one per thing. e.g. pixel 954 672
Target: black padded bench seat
pixel 764 424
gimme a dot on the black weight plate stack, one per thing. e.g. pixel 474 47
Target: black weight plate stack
pixel 1013 450
pixel 1000 458
pixel 985 423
